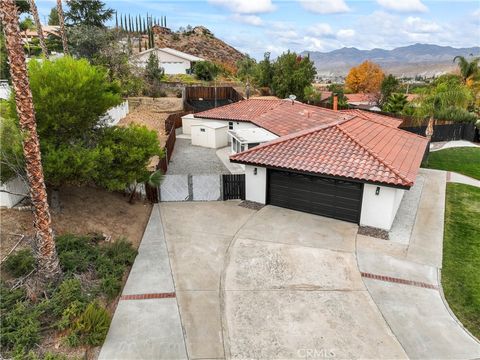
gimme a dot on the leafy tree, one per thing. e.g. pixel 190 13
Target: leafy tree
pixel 390 85
pixel 70 97
pixel 53 17
pixel 22 6
pixel 27 24
pixel 395 103
pixel 264 73
pixel 87 41
pixel 205 70
pixel 292 74
pixel 246 68
pixel 312 95
pixel 366 77
pixel 124 155
pixel 89 13
pixel 119 69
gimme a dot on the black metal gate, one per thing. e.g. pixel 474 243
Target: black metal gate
pixel 233 186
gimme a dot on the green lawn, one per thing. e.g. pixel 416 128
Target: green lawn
pixel 464 160
pixel 461 254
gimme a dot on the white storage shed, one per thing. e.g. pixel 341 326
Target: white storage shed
pixel 210 134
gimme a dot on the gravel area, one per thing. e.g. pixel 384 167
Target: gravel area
pixel 373 232
pixel 194 160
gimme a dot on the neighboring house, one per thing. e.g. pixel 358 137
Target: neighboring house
pixel 12 192
pixel 363 101
pixel 350 165
pixel 29 34
pixel 171 60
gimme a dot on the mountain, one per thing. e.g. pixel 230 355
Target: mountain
pixel 418 59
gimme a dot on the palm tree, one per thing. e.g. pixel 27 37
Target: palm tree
pixel 395 103
pixel 46 254
pixel 61 20
pixel 469 70
pixel 443 97
pixel 38 25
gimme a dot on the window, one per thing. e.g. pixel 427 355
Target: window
pixel 202 129
pixel 230 125
pixel 252 145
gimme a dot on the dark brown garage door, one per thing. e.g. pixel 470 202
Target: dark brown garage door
pixel 317 195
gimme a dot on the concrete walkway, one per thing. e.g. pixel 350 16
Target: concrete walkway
pixel 462 179
pixel 451 144
pixel 404 282
pixel 146 323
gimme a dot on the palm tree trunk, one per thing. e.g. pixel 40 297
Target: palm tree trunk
pixel 46 254
pixel 38 25
pixel 61 20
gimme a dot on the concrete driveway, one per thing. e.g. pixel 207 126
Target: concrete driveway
pixel 215 280
pixel 270 284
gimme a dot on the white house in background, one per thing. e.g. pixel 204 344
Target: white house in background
pixel 12 192
pixel 5 90
pixel 350 165
pixel 171 60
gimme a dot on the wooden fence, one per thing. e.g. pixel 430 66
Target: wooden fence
pixel 200 98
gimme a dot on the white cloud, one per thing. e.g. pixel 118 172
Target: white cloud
pixel 403 5
pixel 248 19
pixel 418 25
pixel 345 33
pixel 246 6
pixel 325 6
pixel 320 29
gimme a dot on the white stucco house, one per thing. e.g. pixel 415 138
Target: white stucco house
pixel 171 60
pixel 349 165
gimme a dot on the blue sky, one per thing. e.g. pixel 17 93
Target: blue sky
pixel 256 26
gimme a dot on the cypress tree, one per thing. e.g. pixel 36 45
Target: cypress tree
pixel 125 22
pixel 130 23
pixel 136 23
pixel 140 44
pixel 121 22
pixel 116 20
pixel 144 29
pixel 165 20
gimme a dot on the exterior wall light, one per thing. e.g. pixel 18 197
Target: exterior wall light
pixel 377 191
pixel 254 171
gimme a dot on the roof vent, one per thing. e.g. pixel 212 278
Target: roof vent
pixel 292 97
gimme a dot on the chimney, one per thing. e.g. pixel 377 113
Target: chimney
pixel 335 103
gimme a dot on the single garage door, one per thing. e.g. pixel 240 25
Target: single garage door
pixel 317 195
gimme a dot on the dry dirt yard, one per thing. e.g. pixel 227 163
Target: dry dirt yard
pixel 83 210
pixel 152 113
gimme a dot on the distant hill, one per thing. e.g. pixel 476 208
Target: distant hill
pixel 417 59
pixel 198 41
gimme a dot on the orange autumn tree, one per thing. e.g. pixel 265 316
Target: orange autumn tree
pixel 366 78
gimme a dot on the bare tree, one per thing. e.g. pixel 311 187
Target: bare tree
pixel 61 20
pixel 47 259
pixel 38 25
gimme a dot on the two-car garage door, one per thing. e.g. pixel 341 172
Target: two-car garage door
pixel 317 195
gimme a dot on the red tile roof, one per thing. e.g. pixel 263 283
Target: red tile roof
pixel 361 98
pixel 245 110
pixel 355 148
pixel 280 117
pixel 379 118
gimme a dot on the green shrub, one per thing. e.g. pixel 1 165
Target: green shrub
pixel 121 252
pixel 20 328
pixel 110 286
pixel 8 298
pixel 20 263
pixel 21 354
pixel 68 292
pixel 75 253
pixel 92 326
pixel 70 314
